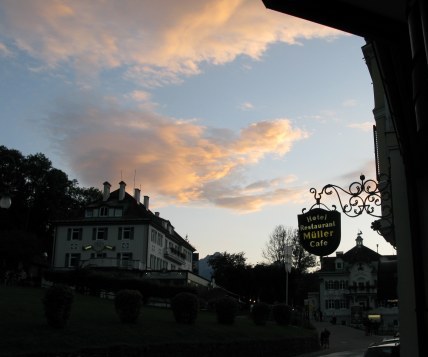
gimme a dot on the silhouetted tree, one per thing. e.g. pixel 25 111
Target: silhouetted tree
pixel 281 237
pixel 230 271
pixel 40 194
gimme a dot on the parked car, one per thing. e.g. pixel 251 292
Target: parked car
pixel 386 348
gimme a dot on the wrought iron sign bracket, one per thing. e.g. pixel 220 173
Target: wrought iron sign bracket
pixel 362 197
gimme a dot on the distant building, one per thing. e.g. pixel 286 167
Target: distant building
pixel 122 233
pixel 355 286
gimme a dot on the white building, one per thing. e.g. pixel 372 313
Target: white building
pixel 120 232
pixel 357 285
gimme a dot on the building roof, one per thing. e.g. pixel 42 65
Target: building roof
pixel 358 254
pixel 133 210
pixel 361 254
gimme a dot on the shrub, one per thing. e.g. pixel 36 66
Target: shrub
pixel 281 314
pixel 185 307
pixel 226 309
pixel 260 313
pixel 128 304
pixel 57 303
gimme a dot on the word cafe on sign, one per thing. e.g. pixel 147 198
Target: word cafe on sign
pixel 319 231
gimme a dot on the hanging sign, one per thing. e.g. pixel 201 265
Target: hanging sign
pixel 319 231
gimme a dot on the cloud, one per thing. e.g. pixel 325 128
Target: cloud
pixel 177 159
pixel 246 106
pixel 4 51
pixel 151 42
pixel 366 126
pixel 350 103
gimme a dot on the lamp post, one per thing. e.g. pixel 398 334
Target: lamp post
pixel 287 265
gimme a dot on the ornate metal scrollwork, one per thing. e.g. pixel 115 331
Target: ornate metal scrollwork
pixel 363 197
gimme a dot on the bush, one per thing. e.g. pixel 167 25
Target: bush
pixel 57 303
pixel 260 313
pixel 226 309
pixel 281 314
pixel 128 304
pixel 185 307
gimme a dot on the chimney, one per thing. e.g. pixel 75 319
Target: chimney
pixel 121 190
pixel 146 202
pixel 137 192
pixel 106 193
pixel 157 214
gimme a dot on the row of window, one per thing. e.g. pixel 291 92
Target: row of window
pixel 343 284
pixel 104 212
pixel 336 284
pixel 336 304
pixel 73 259
pixel 156 237
pixel 157 263
pixel 159 239
pixel 100 233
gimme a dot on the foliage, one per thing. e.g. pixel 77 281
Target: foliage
pixel 226 310
pixel 94 329
pixel 87 280
pixel 185 307
pixel 281 314
pixel 127 304
pixel 230 271
pixel 57 304
pixel 281 237
pixel 260 313
pixel 40 194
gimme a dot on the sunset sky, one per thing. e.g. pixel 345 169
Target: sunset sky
pixel 225 113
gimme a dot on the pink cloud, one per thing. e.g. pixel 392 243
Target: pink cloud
pixel 173 158
pixel 155 42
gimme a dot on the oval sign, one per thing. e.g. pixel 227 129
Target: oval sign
pixel 319 231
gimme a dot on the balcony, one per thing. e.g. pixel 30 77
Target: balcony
pixel 113 263
pixel 174 255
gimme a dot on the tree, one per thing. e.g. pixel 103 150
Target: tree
pixel 40 194
pixel 281 237
pixel 230 271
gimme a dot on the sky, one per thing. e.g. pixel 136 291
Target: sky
pixel 223 112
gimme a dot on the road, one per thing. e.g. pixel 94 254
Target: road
pixel 344 341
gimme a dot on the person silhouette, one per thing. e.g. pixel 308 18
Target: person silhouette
pixel 325 338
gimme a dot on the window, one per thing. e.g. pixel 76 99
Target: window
pixel 329 285
pixel 153 236
pixel 89 212
pixel 339 265
pixel 118 212
pixel 343 284
pixel 124 259
pixel 103 211
pixel 336 285
pixel 98 255
pixel 329 304
pixel 343 304
pixel 74 234
pixel 72 260
pixel 126 233
pixel 160 239
pixel 99 233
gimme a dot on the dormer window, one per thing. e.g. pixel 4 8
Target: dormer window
pixel 103 211
pixel 339 265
